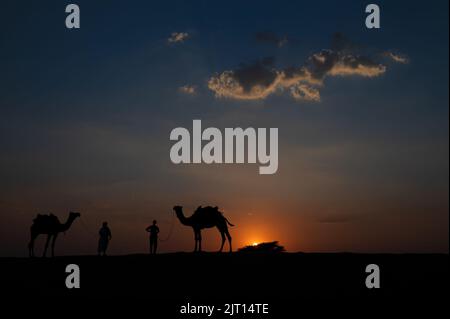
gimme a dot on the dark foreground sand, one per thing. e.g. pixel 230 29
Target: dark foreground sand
pixel 288 282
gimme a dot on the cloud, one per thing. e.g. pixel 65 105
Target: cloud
pixel 334 219
pixel 188 89
pixel 271 38
pixel 334 63
pixel 305 92
pixel 399 58
pixel 248 82
pixel 356 65
pixel 178 37
pixel 261 79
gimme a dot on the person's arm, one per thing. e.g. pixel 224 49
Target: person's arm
pixel 147 229
pixel 109 234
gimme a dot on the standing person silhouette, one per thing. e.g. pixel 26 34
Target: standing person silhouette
pixel 105 237
pixel 153 230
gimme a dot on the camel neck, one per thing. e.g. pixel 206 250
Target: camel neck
pixel 182 218
pixel 68 223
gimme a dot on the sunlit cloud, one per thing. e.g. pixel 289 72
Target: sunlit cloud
pixel 399 58
pixel 305 92
pixel 178 37
pixel 188 89
pixel 261 79
pixel 250 82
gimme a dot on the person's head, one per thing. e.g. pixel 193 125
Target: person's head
pixel 154 222
pixel 105 224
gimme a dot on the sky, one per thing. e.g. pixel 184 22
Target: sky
pixel 362 114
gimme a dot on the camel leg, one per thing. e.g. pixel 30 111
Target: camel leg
pixel 199 240
pixel 31 244
pixel 229 238
pixel 46 245
pixel 222 233
pixel 53 244
pixel 31 248
pixel 196 240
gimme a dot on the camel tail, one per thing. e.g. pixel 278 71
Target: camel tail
pixel 228 222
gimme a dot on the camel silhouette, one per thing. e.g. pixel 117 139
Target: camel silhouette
pixel 205 217
pixel 51 226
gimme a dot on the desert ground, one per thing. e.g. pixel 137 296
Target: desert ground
pixel 288 282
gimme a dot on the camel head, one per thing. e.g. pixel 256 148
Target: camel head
pixel 73 215
pixel 178 209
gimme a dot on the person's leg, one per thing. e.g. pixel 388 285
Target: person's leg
pixel 152 243
pixel 105 247
pixel 99 248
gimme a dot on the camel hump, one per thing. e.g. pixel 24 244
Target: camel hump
pixel 207 208
pixel 46 219
pixel 211 208
pixel 207 211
